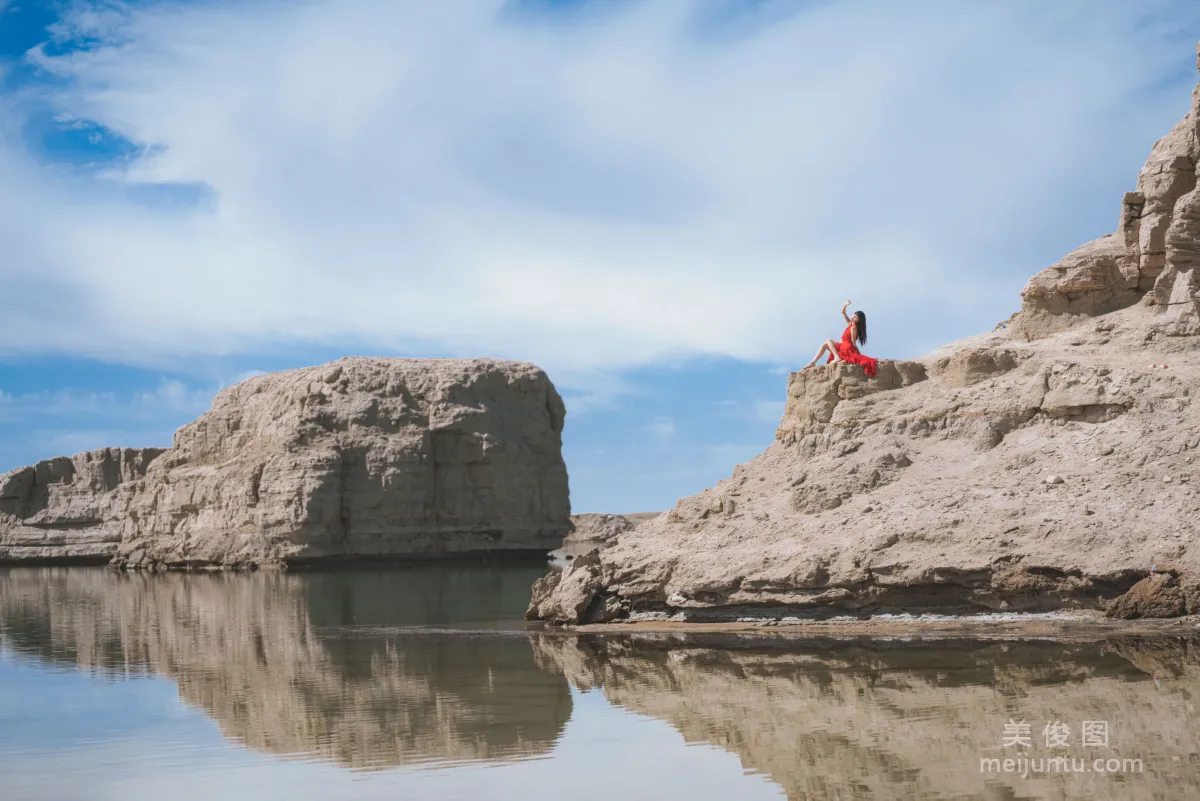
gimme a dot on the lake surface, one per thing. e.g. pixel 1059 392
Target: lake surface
pixel 424 683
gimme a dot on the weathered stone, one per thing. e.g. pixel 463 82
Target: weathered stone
pixel 69 509
pixel 1095 279
pixel 972 365
pixel 1156 250
pixel 604 527
pixel 566 598
pixel 813 395
pixel 360 458
pixel 979 463
pixel 540 593
pixel 1154 596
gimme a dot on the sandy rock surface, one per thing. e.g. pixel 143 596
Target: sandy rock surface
pixel 69 509
pixel 360 458
pixel 593 527
pixel 1047 464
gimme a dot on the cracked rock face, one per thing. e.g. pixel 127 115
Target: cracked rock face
pixel 1155 253
pixel 68 509
pixel 1007 476
pixel 360 458
pixel 1045 465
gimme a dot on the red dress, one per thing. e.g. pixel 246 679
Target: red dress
pixel 847 352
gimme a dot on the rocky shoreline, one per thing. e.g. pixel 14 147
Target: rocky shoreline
pixel 1048 464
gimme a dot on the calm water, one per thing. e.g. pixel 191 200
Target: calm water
pixel 423 683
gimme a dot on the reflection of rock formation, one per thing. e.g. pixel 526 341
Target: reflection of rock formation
pixel 904 720
pixel 244 649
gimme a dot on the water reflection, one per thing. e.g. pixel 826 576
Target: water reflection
pixel 852 720
pixel 330 666
pixel 267 657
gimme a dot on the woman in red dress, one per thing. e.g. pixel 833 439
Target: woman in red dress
pixel 846 350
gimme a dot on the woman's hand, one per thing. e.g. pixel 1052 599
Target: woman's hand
pixel 845 305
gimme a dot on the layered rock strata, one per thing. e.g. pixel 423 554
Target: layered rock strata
pixel 69 509
pixel 1154 254
pixel 360 458
pixel 1048 464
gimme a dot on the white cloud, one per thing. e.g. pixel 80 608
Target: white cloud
pixel 41 425
pixel 455 177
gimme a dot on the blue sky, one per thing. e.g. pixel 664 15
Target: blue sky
pixel 663 204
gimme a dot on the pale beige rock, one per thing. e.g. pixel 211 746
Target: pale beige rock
pixel 68 509
pixel 360 458
pixel 1156 249
pixel 603 527
pixel 568 596
pixel 593 529
pixel 939 496
pixel 1094 279
pixel 968 480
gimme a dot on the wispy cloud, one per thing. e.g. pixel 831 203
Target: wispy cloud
pixel 40 425
pixel 653 181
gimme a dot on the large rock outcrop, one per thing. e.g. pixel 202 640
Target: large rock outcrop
pixel 360 458
pixel 1155 253
pixel 1047 464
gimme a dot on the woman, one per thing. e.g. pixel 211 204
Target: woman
pixel 846 350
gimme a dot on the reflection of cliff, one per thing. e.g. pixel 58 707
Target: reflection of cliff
pixel 906 720
pixel 243 649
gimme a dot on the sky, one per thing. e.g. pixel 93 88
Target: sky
pixel 663 204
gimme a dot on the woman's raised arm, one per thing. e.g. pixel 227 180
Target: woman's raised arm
pixel 845 306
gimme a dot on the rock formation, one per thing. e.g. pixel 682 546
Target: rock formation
pixel 69 509
pixel 593 528
pixel 850 719
pixel 1044 465
pixel 252 653
pixel 1155 253
pixel 360 458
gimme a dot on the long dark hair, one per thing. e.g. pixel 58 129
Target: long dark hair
pixel 861 319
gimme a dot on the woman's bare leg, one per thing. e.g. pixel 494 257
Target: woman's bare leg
pixel 826 347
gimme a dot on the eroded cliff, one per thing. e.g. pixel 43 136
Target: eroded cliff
pixel 1044 465
pixel 360 458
